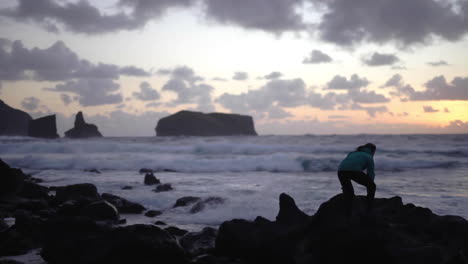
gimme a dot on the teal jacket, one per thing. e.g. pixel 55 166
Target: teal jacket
pixel 359 161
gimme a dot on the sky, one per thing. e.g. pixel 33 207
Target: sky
pixel 296 66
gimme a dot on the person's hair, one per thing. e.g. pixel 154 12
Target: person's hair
pixel 370 146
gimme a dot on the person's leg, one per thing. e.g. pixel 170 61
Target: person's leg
pixel 348 190
pixel 365 180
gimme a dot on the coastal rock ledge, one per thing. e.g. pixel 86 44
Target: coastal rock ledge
pixel 82 129
pixel 188 123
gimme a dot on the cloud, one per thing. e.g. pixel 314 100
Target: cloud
pixel 380 59
pixel 240 76
pixel 30 103
pixel 371 110
pixel 219 79
pixel 439 89
pixel 347 23
pixel 395 81
pixel 438 63
pixel 55 63
pixel 337 117
pixel 429 109
pixel 316 56
pixel 146 93
pixel 184 83
pixel 91 92
pixel 367 97
pixel 66 99
pixel 275 16
pixel 341 83
pixel 273 75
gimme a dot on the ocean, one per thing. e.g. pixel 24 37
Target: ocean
pixel 248 173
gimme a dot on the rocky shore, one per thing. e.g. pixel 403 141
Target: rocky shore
pixel 77 224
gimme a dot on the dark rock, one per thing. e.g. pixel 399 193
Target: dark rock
pixel 44 127
pixel 153 213
pixel 393 233
pixel 187 123
pixel 150 179
pixel 145 170
pixel 82 129
pixel 34 191
pixel 13 243
pixel 124 206
pixel 210 201
pixel 101 210
pixel 198 243
pixel 34 205
pixel 187 200
pixel 127 187
pixel 175 231
pixel 142 244
pixel 9 261
pixel 11 180
pixel 211 259
pixel 13 122
pixel 163 188
pixel 76 191
pixel 160 223
pixel 93 171
pixel 288 212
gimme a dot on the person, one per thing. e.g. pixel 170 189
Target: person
pixel 351 168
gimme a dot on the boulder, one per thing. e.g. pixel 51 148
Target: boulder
pixel 187 200
pixel 210 201
pixel 101 210
pixel 150 179
pixel 163 187
pixel 124 206
pixel 11 179
pixel 392 233
pixel 175 231
pixel 85 191
pixel 82 129
pixel 44 127
pixel 32 190
pixel 198 243
pixel 188 123
pixel 153 213
pixel 13 122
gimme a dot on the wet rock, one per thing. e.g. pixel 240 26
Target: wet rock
pixel 34 191
pixel 198 243
pixel 127 187
pixel 123 206
pixel 187 200
pixel 201 205
pixel 44 127
pixel 289 213
pixel 93 171
pixel 150 179
pixel 160 223
pixel 82 129
pixel 175 231
pixel 9 261
pixel 76 191
pixel 153 213
pixel 101 210
pixel 163 188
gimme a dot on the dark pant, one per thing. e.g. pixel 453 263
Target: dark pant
pixel 348 190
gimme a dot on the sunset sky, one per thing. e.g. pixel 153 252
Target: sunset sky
pixel 296 66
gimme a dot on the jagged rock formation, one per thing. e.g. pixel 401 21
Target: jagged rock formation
pixel 13 122
pixel 44 127
pixel 187 123
pixel 82 129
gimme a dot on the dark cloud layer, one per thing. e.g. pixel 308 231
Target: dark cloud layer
pixel 316 56
pixel 146 93
pixel 273 75
pixel 381 21
pixel 380 59
pixel 55 63
pixel 341 83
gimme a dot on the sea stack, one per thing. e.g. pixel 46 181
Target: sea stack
pixel 44 127
pixel 187 123
pixel 82 129
pixel 13 122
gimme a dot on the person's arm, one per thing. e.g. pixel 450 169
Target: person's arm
pixel 370 168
